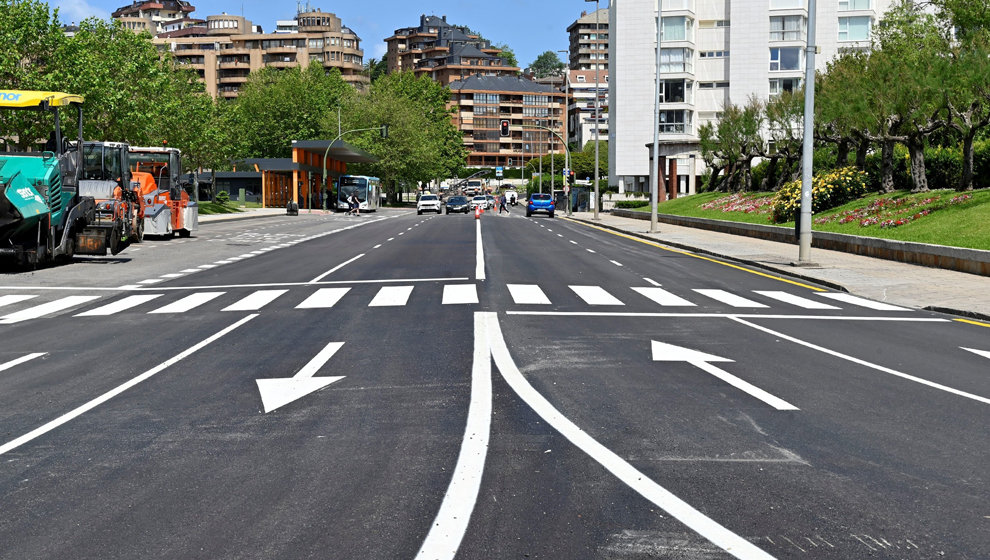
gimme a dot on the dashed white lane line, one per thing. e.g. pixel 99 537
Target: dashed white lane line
pixel 590 250
pixel 573 242
pixel 616 263
pixel 151 281
pixel 377 246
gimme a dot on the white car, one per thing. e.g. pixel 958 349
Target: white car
pixel 480 200
pixel 429 203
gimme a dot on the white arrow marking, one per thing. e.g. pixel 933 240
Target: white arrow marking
pixel 670 353
pixel 983 353
pixel 278 392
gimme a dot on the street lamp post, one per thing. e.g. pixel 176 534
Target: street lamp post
pixel 654 167
pixel 597 101
pixel 804 220
pixel 567 118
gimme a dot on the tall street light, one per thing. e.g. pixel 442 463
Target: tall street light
pixel 804 220
pixel 655 167
pixel 597 102
pixel 567 118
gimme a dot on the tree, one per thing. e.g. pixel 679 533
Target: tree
pixel 507 55
pixel 277 106
pixel 376 68
pixel 547 64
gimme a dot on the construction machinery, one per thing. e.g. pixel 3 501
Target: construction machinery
pixel 43 215
pixel 167 202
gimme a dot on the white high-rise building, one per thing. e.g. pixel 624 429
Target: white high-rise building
pixel 713 52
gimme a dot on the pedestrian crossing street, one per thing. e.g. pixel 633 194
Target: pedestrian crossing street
pixel 16 308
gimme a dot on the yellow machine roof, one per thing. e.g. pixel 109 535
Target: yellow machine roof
pixel 24 98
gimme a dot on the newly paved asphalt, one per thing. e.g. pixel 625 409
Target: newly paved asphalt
pixel 495 388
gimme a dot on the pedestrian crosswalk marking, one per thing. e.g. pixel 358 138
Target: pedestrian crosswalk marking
pixel 119 305
pixel 595 295
pixel 455 294
pixel 869 304
pixel 663 297
pixel 46 309
pixel 324 298
pixel 527 294
pixel 730 299
pixel 391 296
pixel 10 299
pixel 189 302
pixel 795 300
pixel 255 301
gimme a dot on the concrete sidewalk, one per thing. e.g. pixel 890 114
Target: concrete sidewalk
pixel 898 283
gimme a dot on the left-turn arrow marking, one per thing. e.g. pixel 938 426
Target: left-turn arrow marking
pixel 281 391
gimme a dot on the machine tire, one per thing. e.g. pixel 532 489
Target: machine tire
pixel 115 244
pixel 185 233
pixel 551 214
pixel 138 236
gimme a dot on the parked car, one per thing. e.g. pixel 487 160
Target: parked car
pixel 458 204
pixel 480 200
pixel 511 197
pixel 492 201
pixel 428 203
pixel 540 202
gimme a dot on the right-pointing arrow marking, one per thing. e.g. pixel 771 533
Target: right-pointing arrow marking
pixel 281 391
pixel 663 352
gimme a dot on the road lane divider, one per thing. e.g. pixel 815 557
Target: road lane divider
pixel 479 269
pixel 79 411
pixel 24 359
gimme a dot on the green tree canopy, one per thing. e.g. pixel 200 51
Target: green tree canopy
pixel 507 54
pixel 547 64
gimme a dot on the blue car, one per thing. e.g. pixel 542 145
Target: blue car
pixel 539 202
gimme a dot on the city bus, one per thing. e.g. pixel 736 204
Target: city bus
pixel 368 189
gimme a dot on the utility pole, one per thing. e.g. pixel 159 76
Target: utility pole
pixel 804 220
pixel 654 167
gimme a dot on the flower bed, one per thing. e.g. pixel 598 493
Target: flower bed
pixel 740 202
pixel 889 212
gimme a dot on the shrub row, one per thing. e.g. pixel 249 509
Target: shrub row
pixel 828 190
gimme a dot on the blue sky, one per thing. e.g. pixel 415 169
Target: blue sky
pixel 528 27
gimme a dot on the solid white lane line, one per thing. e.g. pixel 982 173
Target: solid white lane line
pixel 452 519
pixel 527 294
pixel 454 294
pixel 479 266
pixel 21 360
pixel 862 302
pixel 795 300
pixel 595 295
pixel 391 296
pixel 632 477
pixel 189 302
pixel 728 316
pixel 255 301
pixel 7 300
pixel 324 298
pixel 14 444
pixel 653 282
pixel 730 298
pixel 745 386
pixel 119 305
pixel 895 373
pixel 46 309
pixel 335 269
pixel 663 297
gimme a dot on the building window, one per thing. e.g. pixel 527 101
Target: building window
pixel 855 28
pixel 486 98
pixel 714 54
pixel 675 122
pixel 316 43
pixel 676 60
pixel 678 5
pixel 678 28
pixel 780 85
pixel 787 28
pixel 847 5
pixel 786 4
pixel 675 91
pixel 785 59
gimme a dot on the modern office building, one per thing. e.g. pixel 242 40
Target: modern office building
pixel 229 48
pixel 713 53
pixel 589 41
pixel 443 51
pixel 481 102
pixel 581 117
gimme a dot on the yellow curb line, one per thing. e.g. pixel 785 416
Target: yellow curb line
pixel 686 253
pixel 977 323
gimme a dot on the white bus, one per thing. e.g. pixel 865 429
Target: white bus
pixel 368 190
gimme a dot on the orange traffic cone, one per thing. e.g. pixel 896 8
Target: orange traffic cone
pixel 477 212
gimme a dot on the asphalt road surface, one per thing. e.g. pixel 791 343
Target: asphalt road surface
pixel 403 386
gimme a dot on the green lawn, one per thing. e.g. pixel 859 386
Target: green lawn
pixel 206 208
pixel 937 217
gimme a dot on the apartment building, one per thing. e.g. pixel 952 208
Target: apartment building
pixel 481 102
pixel 714 52
pixel 155 16
pixel 589 41
pixel 443 51
pixel 581 117
pixel 228 48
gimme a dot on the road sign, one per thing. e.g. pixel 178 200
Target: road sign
pixel 498 172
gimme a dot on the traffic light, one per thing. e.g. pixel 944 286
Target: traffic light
pixel 503 127
pixel 570 177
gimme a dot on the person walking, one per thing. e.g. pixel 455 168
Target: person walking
pixel 355 204
pixel 501 205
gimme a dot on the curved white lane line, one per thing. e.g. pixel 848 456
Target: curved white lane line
pixel 452 520
pixel 677 508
